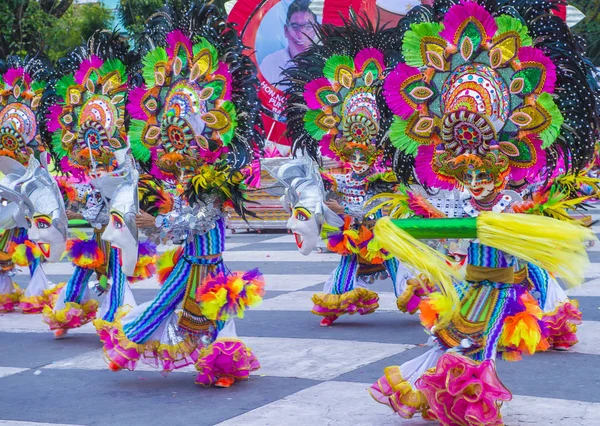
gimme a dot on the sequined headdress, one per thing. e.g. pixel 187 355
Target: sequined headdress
pixel 88 120
pixel 23 90
pixel 334 92
pixel 193 122
pixel 501 86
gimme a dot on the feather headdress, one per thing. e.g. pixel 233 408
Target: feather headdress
pixel 503 83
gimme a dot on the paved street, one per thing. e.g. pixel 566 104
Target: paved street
pixel 310 375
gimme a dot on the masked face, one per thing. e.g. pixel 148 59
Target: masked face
pixel 359 164
pixel 51 241
pixel 479 183
pixel 120 236
pixel 305 228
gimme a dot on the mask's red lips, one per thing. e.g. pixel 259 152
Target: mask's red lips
pixel 45 249
pixel 299 240
pixel 476 191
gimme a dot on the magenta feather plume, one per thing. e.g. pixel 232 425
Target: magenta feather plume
pixel 67 167
pixel 177 37
pixel 134 104
pixel 53 118
pixel 518 173
pixel 93 63
pixel 367 54
pixel 391 90
pixel 13 74
pixel 424 171
pixel 457 14
pixel 325 147
pixel 533 54
pixel 224 71
pixel 311 90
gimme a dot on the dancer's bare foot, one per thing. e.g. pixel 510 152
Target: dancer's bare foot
pixel 224 382
pixel 328 321
pixel 60 333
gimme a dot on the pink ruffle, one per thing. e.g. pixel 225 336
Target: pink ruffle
pixel 562 324
pixel 225 358
pixel 74 315
pixel 464 392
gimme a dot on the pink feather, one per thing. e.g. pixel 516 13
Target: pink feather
pixel 391 90
pixel 518 173
pixel 224 71
pixel 175 37
pixel 93 63
pixel 532 54
pixel 458 13
pixel 134 104
pixel 310 92
pixel 13 74
pixel 424 171
pixel 366 54
pixel 325 149
pixel 53 118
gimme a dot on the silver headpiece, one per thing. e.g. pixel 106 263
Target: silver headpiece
pixel 14 206
pixel 303 185
pixel 42 191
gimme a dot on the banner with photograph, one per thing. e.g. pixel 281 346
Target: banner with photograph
pixel 275 31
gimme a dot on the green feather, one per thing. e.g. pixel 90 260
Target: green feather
pixel 157 55
pixel 411 44
pixel 508 23
pixel 62 86
pixel 138 149
pixel 205 44
pixel 311 126
pixel 229 108
pixel 114 65
pixel 37 85
pixel 549 135
pixel 57 144
pixel 332 64
pixel 400 139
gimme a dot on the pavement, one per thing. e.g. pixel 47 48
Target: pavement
pixel 310 375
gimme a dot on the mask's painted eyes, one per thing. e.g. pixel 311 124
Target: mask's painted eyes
pixel 41 222
pixel 302 214
pixel 117 221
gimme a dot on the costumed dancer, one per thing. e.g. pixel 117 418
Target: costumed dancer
pixel 335 108
pixel 23 96
pixel 477 102
pixel 90 139
pixel 193 125
pixel 130 260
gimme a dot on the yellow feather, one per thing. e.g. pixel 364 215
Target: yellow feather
pixel 554 245
pixel 420 256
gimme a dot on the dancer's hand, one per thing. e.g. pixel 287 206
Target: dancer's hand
pixel 71 215
pixel 144 220
pixel 335 206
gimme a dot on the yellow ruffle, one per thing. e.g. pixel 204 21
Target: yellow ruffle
pixel 60 316
pixel 13 297
pixel 340 302
pixel 404 394
pixel 412 285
